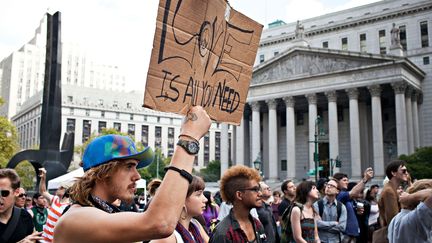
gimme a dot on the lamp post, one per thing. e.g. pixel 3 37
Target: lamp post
pixel 334 162
pixel 318 132
pixel 257 164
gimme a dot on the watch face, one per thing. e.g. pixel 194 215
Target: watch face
pixel 193 148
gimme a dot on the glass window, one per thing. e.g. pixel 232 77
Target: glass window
pixel 158 137
pixel 206 149
pixel 70 125
pixel 276 53
pixel 382 41
pixel 261 58
pixel 217 145
pixel 344 42
pixel 117 126
pixel 144 135
pixel 424 34
pixel 86 130
pixel 131 129
pixel 363 43
pixel 426 61
pixel 325 44
pixel 102 125
pixel 402 36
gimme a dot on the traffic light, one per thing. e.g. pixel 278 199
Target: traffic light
pixel 338 163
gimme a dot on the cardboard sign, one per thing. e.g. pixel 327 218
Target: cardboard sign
pixel 203 54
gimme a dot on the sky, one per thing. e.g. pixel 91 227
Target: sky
pixel 121 32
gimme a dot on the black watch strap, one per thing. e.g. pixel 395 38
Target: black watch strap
pixel 182 172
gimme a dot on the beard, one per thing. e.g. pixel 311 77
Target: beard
pixel 120 193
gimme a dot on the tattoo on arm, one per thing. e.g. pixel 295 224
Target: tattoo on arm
pixel 191 117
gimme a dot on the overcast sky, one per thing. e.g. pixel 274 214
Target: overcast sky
pixel 121 31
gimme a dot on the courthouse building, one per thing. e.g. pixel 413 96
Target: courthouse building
pixel 354 80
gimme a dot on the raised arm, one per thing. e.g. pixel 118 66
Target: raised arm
pixel 357 189
pixel 42 186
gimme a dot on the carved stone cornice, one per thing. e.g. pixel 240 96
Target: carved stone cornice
pixel 375 90
pixel 255 106
pixel 271 104
pixel 399 87
pixel 312 99
pixel 331 96
pixel 353 93
pixel 289 101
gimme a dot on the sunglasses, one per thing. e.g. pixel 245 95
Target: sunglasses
pixel 254 189
pixel 4 193
pixel 22 195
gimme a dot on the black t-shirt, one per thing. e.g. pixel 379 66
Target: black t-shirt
pixel 24 226
pixel 283 205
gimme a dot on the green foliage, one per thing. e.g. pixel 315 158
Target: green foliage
pixel 27 174
pixel 151 171
pixel 212 172
pixel 8 140
pixel 419 163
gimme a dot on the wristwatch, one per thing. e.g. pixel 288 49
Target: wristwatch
pixel 191 147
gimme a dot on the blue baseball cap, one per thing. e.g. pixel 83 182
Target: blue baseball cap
pixel 112 147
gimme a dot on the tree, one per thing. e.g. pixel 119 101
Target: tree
pixel 151 171
pixel 212 172
pixel 8 140
pixel 419 163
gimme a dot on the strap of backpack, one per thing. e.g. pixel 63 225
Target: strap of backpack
pixel 321 207
pixel 339 209
pixel 12 225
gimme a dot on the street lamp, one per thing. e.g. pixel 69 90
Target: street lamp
pixel 318 132
pixel 334 162
pixel 257 164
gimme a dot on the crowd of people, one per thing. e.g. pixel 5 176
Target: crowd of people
pixel 101 206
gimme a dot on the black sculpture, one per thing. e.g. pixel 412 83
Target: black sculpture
pixel 55 161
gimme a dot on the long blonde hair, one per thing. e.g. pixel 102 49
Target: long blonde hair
pixel 81 189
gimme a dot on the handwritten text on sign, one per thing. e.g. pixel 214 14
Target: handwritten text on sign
pixel 203 53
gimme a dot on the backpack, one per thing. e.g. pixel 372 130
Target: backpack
pixel 321 208
pixel 287 233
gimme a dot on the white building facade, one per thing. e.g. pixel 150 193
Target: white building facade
pixel 373 100
pixel 87 111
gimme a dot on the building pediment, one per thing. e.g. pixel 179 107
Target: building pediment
pixel 302 62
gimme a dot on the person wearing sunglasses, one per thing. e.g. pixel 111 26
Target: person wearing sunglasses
pixel 16 224
pixel 239 186
pixel 388 204
pixel 20 199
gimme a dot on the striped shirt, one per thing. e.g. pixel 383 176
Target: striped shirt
pixel 54 214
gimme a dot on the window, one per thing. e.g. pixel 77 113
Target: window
pixel 217 145
pixel 362 42
pixel 102 113
pixel 128 105
pixel 283 165
pixel 70 99
pixel 131 130
pixel 276 53
pixel 426 61
pixel 344 42
pixel 86 130
pixel 115 104
pixel 424 34
pixel 170 141
pixel 70 125
pixel 144 135
pixel 402 36
pixel 206 149
pixel 300 119
pixel 382 41
pixel 117 126
pixel 158 137
pixel 261 58
pixel 100 102
pixel 102 125
pixel 325 44
pixel 87 112
pixel 131 117
pixel 145 117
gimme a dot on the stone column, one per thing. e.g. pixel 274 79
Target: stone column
pixel 333 126
pixel 354 133
pixel 416 130
pixel 224 145
pixel 273 145
pixel 401 119
pixel 290 137
pixel 240 142
pixel 313 112
pixel 409 115
pixel 377 131
pixel 256 131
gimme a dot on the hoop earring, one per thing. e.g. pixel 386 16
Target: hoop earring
pixel 181 215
